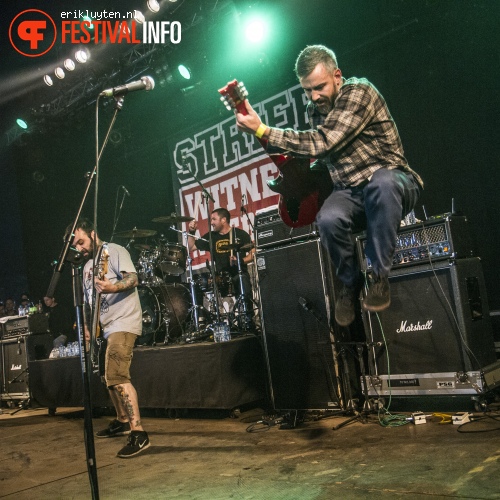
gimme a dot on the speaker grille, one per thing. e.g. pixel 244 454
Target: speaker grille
pixel 438 321
pixel 297 339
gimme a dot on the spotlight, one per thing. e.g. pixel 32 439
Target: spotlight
pixel 82 55
pixel 48 81
pixel 139 16
pixel 22 123
pixel 153 5
pixel 59 72
pixel 256 31
pixel 88 20
pixel 184 71
pixel 69 64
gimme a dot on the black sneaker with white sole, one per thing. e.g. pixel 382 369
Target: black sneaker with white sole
pixel 115 428
pixel 137 442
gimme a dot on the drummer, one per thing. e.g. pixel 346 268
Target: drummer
pixel 227 240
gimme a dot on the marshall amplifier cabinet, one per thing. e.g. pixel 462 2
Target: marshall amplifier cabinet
pixel 25 325
pixel 436 335
pixel 438 238
pixel 271 231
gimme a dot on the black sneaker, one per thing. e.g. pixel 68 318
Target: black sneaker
pixel 137 442
pixel 115 428
pixel 378 297
pixel 344 306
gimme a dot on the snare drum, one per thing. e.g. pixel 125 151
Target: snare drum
pixel 172 259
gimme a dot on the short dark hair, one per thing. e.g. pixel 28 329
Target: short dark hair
pixel 313 55
pixel 84 224
pixel 222 212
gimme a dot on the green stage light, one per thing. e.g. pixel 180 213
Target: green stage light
pixel 89 20
pixel 22 123
pixel 184 71
pixel 256 31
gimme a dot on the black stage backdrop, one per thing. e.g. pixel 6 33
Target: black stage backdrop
pixel 435 62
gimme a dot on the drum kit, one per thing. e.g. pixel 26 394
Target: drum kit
pixel 177 305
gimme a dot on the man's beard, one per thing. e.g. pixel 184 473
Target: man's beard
pixel 91 253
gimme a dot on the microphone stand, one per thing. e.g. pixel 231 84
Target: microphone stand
pixel 213 270
pixel 244 211
pixel 196 308
pixel 117 217
pixel 71 255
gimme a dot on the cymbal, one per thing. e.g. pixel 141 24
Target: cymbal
pixel 170 219
pixel 233 246
pixel 247 247
pixel 136 233
pixel 143 247
pixel 238 246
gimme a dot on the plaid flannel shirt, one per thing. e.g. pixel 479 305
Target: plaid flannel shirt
pixel 354 140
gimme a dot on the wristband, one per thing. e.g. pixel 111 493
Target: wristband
pixel 260 131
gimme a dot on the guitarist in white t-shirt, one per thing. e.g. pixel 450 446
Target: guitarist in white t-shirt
pixel 114 282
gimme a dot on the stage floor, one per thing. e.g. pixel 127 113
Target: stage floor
pixel 206 456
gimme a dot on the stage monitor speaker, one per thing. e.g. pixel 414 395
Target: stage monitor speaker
pixel 294 282
pixel 15 354
pixel 438 321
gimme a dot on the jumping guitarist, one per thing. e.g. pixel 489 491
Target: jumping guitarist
pixel 120 322
pixel 354 135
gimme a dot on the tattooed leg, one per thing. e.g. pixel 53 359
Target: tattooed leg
pixel 126 397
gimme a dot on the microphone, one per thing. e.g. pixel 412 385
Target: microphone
pixel 146 82
pixel 305 304
pixel 126 190
pixel 243 209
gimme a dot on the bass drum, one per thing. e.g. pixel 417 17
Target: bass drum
pixel 165 309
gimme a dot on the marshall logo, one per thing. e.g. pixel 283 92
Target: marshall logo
pixel 414 328
pixel 15 367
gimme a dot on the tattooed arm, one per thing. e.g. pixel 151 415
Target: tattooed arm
pixel 128 281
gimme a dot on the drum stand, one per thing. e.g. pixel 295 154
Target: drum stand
pixel 195 308
pixel 241 304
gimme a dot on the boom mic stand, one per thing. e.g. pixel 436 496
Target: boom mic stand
pixel 212 268
pixel 69 254
pixel 192 285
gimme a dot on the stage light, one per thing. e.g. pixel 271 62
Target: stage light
pixel 22 123
pixel 184 71
pixel 256 31
pixel 48 81
pixel 89 20
pixel 69 64
pixel 82 55
pixel 153 5
pixel 59 72
pixel 139 16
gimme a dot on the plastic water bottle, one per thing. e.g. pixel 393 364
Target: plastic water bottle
pixel 221 332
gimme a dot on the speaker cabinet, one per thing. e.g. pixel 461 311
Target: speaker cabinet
pixel 438 321
pixel 16 353
pixel 295 289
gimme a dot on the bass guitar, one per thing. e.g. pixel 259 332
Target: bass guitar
pixel 96 341
pixel 302 188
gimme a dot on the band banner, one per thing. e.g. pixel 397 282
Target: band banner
pixel 232 166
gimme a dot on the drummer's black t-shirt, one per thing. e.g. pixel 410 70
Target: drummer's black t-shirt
pixel 222 253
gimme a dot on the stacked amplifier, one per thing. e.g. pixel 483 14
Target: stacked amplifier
pixel 23 339
pixel 295 288
pixel 436 335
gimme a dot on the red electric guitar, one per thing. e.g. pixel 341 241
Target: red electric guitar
pixel 302 189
